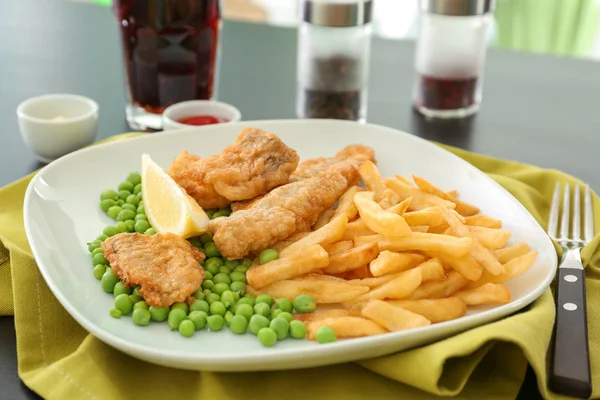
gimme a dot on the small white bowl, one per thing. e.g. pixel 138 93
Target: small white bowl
pixel 53 125
pixel 198 107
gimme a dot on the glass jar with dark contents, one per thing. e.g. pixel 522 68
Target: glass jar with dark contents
pixel 334 41
pixel 450 56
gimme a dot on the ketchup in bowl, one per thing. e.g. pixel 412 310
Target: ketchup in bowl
pixel 198 120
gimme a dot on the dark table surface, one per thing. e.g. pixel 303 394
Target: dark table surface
pixel 537 109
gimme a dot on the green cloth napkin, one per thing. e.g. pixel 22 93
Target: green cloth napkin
pixel 59 360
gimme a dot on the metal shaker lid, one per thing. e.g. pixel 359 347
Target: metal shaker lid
pixel 336 13
pixel 457 7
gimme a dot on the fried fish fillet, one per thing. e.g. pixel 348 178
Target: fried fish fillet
pixel 284 211
pixel 164 265
pixel 251 166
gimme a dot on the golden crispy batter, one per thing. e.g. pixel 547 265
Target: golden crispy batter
pixel 251 166
pixel 284 211
pixel 164 265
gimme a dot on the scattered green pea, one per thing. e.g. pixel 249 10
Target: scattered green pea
pixel 140 316
pixel 218 308
pixel 241 268
pixel 238 324
pixel 105 205
pixel 238 287
pixel 123 195
pixel 175 317
pixel 121 288
pixel 150 232
pixel 141 217
pixel 219 278
pixel 267 337
pixel 268 255
pixel 130 225
pixel 97 250
pixel 262 309
pixel 137 188
pixel 275 313
pixel 140 196
pixel 126 185
pixel 142 226
pixel 207 284
pixel 158 314
pixel 134 178
pixel 257 322
pixel 215 322
pixel 115 313
pixel 140 304
pixel 128 206
pixel 247 262
pixel 211 298
pixel 208 275
pixel 199 305
pixel 135 298
pixel 132 199
pixel 187 328
pixel 245 310
pixel 232 264
pixel 219 214
pixel 244 300
pixel 286 315
pixel 297 329
pixel 224 270
pixel 284 304
pixel 205 237
pixel 99 270
pixel 110 231
pixel 141 209
pixel 198 295
pixel 108 280
pixel 264 298
pixel 227 298
pixel 183 306
pixel 213 264
pixel 228 316
pixel 281 327
pixel 210 248
pixel 120 202
pixel 206 292
pixel 304 303
pixel 113 212
pixel 124 215
pixel 102 237
pixel 121 227
pixel 93 245
pixel 198 318
pixel 237 277
pixel 325 335
pixel 250 297
pixel 108 195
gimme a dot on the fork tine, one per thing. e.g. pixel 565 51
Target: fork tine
pixel 576 214
pixel 553 218
pixel 566 209
pixel 588 215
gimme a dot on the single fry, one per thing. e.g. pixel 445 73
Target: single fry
pixel 303 261
pixel 360 273
pixel 440 289
pixel 467 266
pixel 420 228
pixel 331 232
pixel 483 220
pixel 353 258
pixel 508 253
pixel 431 216
pixel 439 229
pixel 489 237
pixel 374 281
pixel 338 247
pixel 388 262
pixel 316 276
pixel 393 318
pixel 421 199
pixel 440 244
pixel 379 220
pixel 389 199
pixel 356 228
pixel 512 269
pixel 452 193
pixel 346 204
pixel 289 241
pixel 361 240
pixel 372 178
pixel 323 291
pixel 436 310
pixel 400 287
pixel 461 207
pixel 346 327
pixel 404 180
pixel 401 207
pixel 324 218
pixel 322 314
pixel 489 293
pixel 432 270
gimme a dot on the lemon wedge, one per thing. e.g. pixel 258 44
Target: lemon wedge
pixel 168 207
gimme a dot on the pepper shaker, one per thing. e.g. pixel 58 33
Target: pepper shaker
pixel 334 41
pixel 450 56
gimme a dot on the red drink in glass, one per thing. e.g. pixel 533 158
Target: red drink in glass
pixel 170 50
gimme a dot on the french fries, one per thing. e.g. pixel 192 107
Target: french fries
pixel 394 256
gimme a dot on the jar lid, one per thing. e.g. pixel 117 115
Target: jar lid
pixel 337 13
pixel 457 7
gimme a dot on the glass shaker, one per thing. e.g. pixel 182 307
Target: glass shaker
pixel 450 56
pixel 334 41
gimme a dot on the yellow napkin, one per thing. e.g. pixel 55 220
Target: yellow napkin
pixel 59 360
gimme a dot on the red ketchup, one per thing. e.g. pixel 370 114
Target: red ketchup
pixel 201 120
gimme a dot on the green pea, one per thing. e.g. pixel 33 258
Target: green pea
pixel 108 281
pixel 136 290
pixel 268 255
pixel 232 264
pixel 264 298
pixel 205 237
pixel 237 277
pixel 102 237
pixel 187 328
pixel 130 225
pixel 213 264
pixel 262 309
pixel 198 318
pixel 250 297
pixel 215 322
pixel 141 209
pixel 105 205
pixel 150 232
pixel 128 206
pixel 140 196
pixel 113 212
pixel 284 305
pixel 241 268
pixel 134 178
pixel 108 195
pixel 257 322
pixel 210 212
pixel 208 284
pixel 244 300
pixel 97 250
pixel 158 314
pixel 208 275
pixel 123 303
pixel 281 327
pixel 227 317
pixel 267 337
pixel 219 214
pixel 142 226
pixel 198 295
pixel 238 287
pixel 124 215
pixel 219 278
pixel 227 298
pixel 224 270
pixel 135 298
pixel 123 195
pixel 199 305
pixel 137 189
pixel 99 270
pixel 115 313
pixel 298 329
pixel 211 298
pixel 140 316
pixel 110 231
pixel 218 308
pixel 93 245
pixel 238 324
pixel 325 335
pixel 210 249
pixel 247 262
pixel 99 259
pixel 275 313
pixel 132 199
pixel 183 306
pixel 286 315
pixel 304 303
pixel 220 288
pixel 175 317
pixel 121 227
pixel 140 304
pixel 141 217
pixel 245 310
pixel 206 292
pixel 126 186
pixel 120 202
pixel 121 288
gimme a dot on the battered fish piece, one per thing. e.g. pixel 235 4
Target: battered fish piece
pixel 284 211
pixel 164 265
pixel 346 162
pixel 251 166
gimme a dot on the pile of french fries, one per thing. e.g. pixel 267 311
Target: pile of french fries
pixel 394 256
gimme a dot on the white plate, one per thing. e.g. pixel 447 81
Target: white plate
pixel 62 214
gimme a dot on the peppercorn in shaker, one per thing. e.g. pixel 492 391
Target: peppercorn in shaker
pixel 450 56
pixel 334 40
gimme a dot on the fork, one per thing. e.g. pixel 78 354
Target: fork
pixel 570 373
